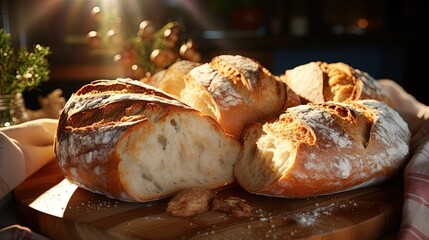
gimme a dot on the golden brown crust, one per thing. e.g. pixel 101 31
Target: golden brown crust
pixel 323 148
pixel 236 91
pixel 321 81
pixel 171 80
pixel 130 141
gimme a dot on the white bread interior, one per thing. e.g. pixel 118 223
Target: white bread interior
pixel 318 149
pixel 130 141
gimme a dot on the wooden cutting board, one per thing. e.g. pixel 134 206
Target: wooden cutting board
pixel 60 210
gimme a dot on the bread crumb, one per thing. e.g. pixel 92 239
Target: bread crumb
pixel 234 206
pixel 190 202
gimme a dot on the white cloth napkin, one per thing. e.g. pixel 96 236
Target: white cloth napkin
pixel 415 211
pixel 24 149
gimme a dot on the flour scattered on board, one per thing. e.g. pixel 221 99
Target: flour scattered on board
pixel 92 206
pixel 309 218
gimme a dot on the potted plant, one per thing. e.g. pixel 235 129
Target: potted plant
pixel 20 71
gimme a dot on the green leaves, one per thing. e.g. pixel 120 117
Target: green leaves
pixel 23 70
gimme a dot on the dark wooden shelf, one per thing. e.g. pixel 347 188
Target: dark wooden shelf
pixel 275 42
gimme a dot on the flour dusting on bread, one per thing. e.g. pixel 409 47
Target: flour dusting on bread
pixel 236 91
pixel 130 141
pixel 320 128
pixel 220 88
pixel 323 148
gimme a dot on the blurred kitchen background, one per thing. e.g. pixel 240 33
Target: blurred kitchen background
pixel 386 38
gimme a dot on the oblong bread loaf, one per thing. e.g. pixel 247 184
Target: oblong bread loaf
pixel 130 141
pixel 321 81
pixel 236 91
pixel 324 148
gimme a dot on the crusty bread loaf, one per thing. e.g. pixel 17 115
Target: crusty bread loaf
pixel 236 91
pixel 321 81
pixel 323 148
pixel 171 80
pixel 130 141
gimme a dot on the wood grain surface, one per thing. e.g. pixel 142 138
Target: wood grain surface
pixel 60 210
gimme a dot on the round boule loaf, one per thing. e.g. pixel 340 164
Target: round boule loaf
pixel 236 91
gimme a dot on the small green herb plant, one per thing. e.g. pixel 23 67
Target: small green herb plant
pixel 22 70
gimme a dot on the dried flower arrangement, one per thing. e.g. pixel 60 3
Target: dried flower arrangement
pixel 146 52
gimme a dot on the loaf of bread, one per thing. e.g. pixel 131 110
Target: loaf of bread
pixel 236 90
pixel 323 148
pixel 171 80
pixel 129 141
pixel 321 81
